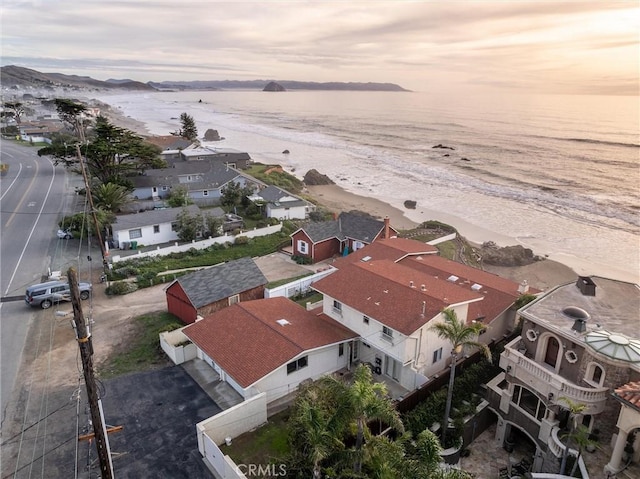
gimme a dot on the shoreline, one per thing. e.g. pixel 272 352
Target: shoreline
pixel 543 274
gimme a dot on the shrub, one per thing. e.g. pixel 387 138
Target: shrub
pixel 121 287
pixel 241 240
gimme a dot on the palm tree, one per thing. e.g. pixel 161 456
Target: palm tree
pixel 575 410
pixel 459 335
pixel 320 419
pixel 110 197
pixel 369 401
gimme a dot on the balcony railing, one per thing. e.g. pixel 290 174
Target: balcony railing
pixel 547 383
pixel 387 337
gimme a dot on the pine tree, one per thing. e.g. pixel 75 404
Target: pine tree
pixel 188 129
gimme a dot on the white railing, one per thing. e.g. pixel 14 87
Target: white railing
pixel 298 286
pixel 547 382
pixel 387 337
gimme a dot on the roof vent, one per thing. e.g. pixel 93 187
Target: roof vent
pixel 423 287
pixel 282 322
pixel 411 284
pixel 580 317
pixel 476 287
pixel 453 278
pixel 586 286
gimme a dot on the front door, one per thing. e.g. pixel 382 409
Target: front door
pixel 353 358
pixel 391 368
pixel 154 191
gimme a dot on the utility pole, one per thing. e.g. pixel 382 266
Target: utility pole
pixel 87 189
pixel 86 353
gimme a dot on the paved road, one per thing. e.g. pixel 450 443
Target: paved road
pixel 33 196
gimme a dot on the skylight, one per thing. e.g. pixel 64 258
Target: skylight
pixel 453 278
pixel 282 322
pixel 476 287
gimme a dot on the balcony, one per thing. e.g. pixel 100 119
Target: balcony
pixel 543 380
pixel 387 337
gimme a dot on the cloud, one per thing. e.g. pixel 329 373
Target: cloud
pixel 522 44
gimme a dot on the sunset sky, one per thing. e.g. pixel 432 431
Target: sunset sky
pixel 543 46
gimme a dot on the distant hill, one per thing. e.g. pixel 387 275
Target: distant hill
pixel 260 84
pixel 15 76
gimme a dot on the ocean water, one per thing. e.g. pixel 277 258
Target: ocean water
pixel 558 174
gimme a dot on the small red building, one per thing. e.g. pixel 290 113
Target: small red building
pixel 208 290
pixel 349 232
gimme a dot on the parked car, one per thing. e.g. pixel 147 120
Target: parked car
pixel 45 295
pixel 65 233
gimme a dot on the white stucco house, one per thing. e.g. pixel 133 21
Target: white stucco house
pixel 270 346
pixel 149 227
pixel 281 204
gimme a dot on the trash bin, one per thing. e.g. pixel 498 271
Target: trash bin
pixel 124 245
pixel 134 245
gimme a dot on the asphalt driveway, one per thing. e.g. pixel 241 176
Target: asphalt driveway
pixel 159 410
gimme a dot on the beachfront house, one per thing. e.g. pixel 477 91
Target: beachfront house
pixel 278 203
pixel 148 227
pixel 208 290
pixel 579 345
pixel 393 290
pixel 203 180
pixel 171 146
pixel 322 240
pixel 220 156
pixel 270 346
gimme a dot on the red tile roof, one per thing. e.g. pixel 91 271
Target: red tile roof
pixel 630 393
pixel 392 293
pixel 392 249
pixel 248 343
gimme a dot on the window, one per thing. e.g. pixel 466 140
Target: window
pixel 156 228
pixel 234 299
pixel 387 334
pixel 137 233
pixel 365 320
pixel 303 247
pixel 205 192
pixel 340 349
pixel 165 188
pixel 337 307
pixel 594 374
pixel 293 366
pixel 529 402
pixel 437 355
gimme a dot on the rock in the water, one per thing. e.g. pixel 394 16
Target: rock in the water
pixel 273 86
pixel 211 135
pixel 440 145
pixel 410 204
pixel 507 256
pixel 285 152
pixel 313 177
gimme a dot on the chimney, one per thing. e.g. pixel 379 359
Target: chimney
pixel 586 286
pixel 386 227
pixel 580 325
pixel 523 288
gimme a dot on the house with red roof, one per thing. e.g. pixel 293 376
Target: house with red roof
pixel 392 291
pixel 270 345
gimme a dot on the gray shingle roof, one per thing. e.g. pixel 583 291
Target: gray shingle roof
pixel 213 175
pixel 221 281
pixel 151 217
pixel 348 225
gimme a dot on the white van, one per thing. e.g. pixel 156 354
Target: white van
pixel 45 295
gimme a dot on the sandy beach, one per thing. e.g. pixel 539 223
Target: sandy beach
pixel 541 275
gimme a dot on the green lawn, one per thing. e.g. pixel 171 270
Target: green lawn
pixel 267 444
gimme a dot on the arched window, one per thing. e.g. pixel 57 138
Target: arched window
pixel 529 402
pixel 594 374
pixel 551 354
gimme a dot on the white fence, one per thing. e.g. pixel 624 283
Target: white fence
pixel 299 286
pixel 202 244
pixel 177 346
pixel 225 426
pixel 436 241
